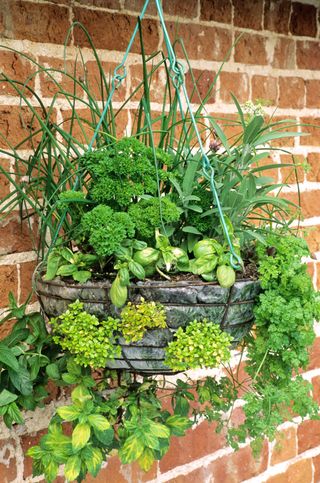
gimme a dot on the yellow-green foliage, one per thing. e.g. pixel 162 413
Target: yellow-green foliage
pixel 137 318
pixel 200 344
pixel 84 336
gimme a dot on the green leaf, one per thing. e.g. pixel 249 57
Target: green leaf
pixel 66 270
pixel 252 130
pixel 7 358
pixel 52 371
pixel 7 397
pixel 124 276
pixel 51 470
pixel 159 430
pixel 68 413
pixel 80 435
pixel 73 367
pixel 104 437
pixel 191 229
pixel 81 276
pixel 99 422
pixel 182 406
pixel 204 264
pixel 81 393
pixel 149 439
pixel 178 424
pixel 93 459
pixel 15 414
pixel 189 176
pixel 21 380
pixel 137 270
pixel 72 468
pixel 146 460
pixel 131 450
pixel 67 254
pixel 35 452
pixel 118 293
pixel 53 263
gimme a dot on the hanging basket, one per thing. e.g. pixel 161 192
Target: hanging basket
pixel 184 302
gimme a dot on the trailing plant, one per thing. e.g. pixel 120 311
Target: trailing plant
pixel 25 357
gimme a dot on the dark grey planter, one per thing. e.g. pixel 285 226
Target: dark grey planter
pixel 184 301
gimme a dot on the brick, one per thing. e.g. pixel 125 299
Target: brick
pixel 303 21
pixel 316 465
pixel 16 124
pixel 112 4
pixel 8 283
pixel 156 82
pixel 277 15
pixel 96 87
pixel 18 68
pixel 37 22
pixel 251 49
pixel 294 173
pixel 239 466
pixel 271 172
pixel 216 10
pixel 313 130
pixel 15 235
pixel 114 471
pixel 235 83
pixel 4 182
pixel 314 362
pixel 299 472
pixel 289 126
pixel 314 167
pixel 264 88
pixel 312 235
pixel 6 328
pixel 8 463
pixel 204 42
pixel 83 127
pixel 284 54
pixel 204 80
pixel 309 201
pixel 112 31
pixel 285 446
pixel 308 435
pixel 291 92
pixel 27 441
pixel 26 274
pixel 308 55
pixel 248 14
pixel 59 75
pixel 198 442
pixel 181 8
pixel 316 388
pixel 313 93
pixel 137 5
pixel 229 124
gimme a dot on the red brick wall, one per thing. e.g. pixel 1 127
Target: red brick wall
pixel 278 59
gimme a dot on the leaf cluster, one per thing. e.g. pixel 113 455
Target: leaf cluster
pixel 91 341
pixel 137 318
pixel 25 354
pixel 199 345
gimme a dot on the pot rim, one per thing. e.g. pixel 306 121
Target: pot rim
pixel 58 282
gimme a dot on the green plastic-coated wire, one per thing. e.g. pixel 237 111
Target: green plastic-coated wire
pixel 208 170
pixel 178 80
pixel 116 80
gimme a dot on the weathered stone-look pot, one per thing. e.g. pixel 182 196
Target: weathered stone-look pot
pixel 184 301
